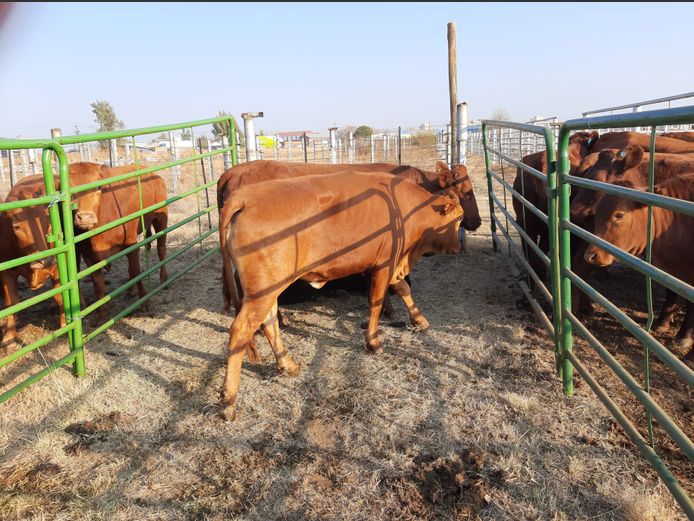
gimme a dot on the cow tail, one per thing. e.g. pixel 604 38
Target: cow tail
pixel 230 290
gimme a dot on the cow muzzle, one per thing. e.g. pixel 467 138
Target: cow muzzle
pixel 42 264
pixel 471 224
pixel 597 257
pixel 85 220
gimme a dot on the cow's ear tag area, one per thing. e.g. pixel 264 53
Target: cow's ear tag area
pixel 622 154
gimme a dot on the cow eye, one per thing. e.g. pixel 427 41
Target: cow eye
pixel 618 216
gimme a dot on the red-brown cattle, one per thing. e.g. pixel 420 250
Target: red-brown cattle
pixel 117 200
pixel 535 191
pixel 683 135
pixel 319 228
pixel 623 222
pixel 24 232
pixel 666 145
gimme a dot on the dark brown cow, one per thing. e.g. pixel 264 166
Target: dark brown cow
pixel 666 145
pixel 319 228
pixel 535 191
pixel 118 200
pixel 624 223
pixel 24 232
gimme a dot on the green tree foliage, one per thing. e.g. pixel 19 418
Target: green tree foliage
pixel 363 132
pixel 222 128
pixel 106 117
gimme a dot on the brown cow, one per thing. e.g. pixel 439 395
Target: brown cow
pixel 319 228
pixel 24 232
pixel 683 136
pixel 259 171
pixel 118 200
pixel 535 191
pixel 623 222
pixel 666 145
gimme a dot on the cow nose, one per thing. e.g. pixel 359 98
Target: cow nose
pixel 472 224
pixel 590 256
pixel 86 220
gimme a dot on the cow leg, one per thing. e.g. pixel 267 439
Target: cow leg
pixel 99 283
pixel 388 310
pixel 159 224
pixel 377 293
pixel 580 302
pixel 9 337
pixel 55 279
pixel 402 290
pixel 134 271
pixel 667 313
pixel 271 328
pixel 244 325
pixel 685 337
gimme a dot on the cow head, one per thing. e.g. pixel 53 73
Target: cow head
pixel 581 143
pixel 87 203
pixel 459 182
pixel 607 166
pixel 621 222
pixel 30 225
pixel 443 238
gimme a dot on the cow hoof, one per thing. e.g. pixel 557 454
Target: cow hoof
pixel 661 327
pixel 229 413
pixel 290 368
pixel 420 324
pixel 282 319
pixel 374 346
pixel 7 347
pixel 685 343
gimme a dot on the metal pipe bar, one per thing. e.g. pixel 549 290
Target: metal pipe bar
pixel 7 265
pixel 679 437
pixel 642 103
pixel 37 299
pixel 69 358
pixel 532 171
pixel 530 206
pixel 659 349
pixel 676 116
pixel 19 353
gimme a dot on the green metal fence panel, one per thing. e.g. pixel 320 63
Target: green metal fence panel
pixel 63 242
pixel 572 325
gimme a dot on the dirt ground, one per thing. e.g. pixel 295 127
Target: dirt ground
pixel 464 421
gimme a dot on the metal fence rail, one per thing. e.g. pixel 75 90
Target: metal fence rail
pixel 566 324
pixel 64 242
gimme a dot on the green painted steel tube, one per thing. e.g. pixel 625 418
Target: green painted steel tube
pixel 678 436
pixel 102 264
pixel 67 263
pixel 69 358
pixel 490 188
pixel 25 203
pixel 151 294
pixel 54 335
pixel 663 201
pixel 661 277
pixel 674 116
pixel 524 263
pixel 123 287
pixel 135 215
pixel 36 299
pixel 232 141
pixel 8 265
pixel 649 285
pixel 564 194
pixel 660 350
pixel 524 236
pixel 647 452
pixel 530 206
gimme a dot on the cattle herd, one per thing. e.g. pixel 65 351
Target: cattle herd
pixel 622 158
pixel 281 222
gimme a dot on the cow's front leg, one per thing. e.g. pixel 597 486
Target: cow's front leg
pixel 55 279
pixel 402 290
pixel 377 293
pixel 685 337
pixel 134 271
pixel 667 314
pixel 9 337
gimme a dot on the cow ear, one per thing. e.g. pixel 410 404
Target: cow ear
pixel 445 175
pixel 633 155
pixel 447 208
pixel 592 139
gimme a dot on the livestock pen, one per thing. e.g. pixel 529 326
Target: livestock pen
pixel 450 423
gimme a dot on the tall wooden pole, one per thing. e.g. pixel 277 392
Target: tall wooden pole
pixel 453 90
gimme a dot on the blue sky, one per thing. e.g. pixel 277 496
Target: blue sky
pixel 311 66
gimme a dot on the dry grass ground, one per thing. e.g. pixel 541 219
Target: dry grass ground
pixel 465 421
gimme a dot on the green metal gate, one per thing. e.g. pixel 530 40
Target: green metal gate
pixel 59 205
pixel 566 324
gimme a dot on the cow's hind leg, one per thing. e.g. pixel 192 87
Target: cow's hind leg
pixel 402 290
pixel 134 271
pixel 9 337
pixel 685 337
pixel 244 325
pixel 377 293
pixel 55 279
pixel 270 326
pixel 159 224
pixel 667 313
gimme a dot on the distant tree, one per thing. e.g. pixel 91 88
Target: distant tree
pixel 163 135
pixel 501 114
pixel 106 118
pixel 221 128
pixel 363 132
pixel 424 138
pixel 186 134
pixel 203 141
